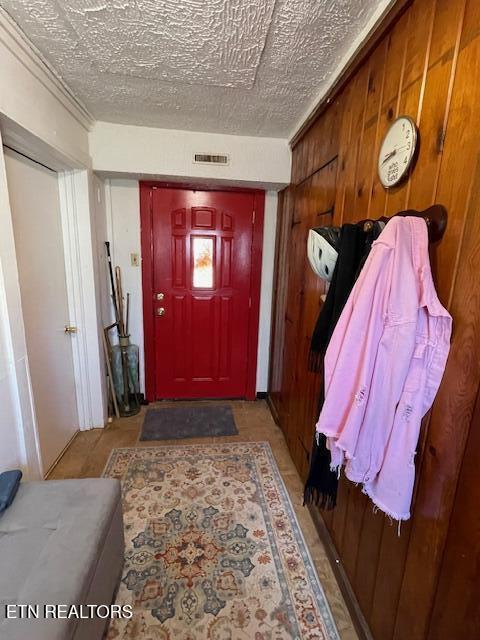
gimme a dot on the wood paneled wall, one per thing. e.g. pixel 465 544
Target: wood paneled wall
pixel 427 65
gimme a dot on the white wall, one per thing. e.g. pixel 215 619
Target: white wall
pixel 98 225
pixel 12 445
pixel 268 263
pixel 18 437
pixel 123 216
pixel 123 222
pixel 130 151
pixel 101 235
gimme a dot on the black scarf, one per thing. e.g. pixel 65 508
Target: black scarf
pixel 354 247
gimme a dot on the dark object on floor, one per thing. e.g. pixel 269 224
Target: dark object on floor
pixel 9 483
pixel 174 423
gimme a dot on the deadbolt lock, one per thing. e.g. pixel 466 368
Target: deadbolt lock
pixel 160 311
pixel 160 296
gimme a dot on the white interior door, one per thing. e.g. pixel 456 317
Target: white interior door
pixel 34 201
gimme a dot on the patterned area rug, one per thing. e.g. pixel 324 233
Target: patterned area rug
pixel 213 548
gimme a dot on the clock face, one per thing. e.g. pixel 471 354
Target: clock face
pixel 397 151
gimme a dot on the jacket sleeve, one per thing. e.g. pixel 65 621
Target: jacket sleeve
pixel 350 357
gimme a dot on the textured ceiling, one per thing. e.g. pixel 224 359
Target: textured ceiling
pixel 248 67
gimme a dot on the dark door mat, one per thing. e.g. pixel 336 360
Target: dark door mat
pixel 175 423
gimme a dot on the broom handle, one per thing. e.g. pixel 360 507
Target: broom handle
pixel 127 314
pixel 118 277
pixel 112 284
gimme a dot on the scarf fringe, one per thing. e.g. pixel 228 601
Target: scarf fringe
pixel 315 497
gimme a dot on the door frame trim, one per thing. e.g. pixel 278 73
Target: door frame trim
pixel 146 238
pixel 78 237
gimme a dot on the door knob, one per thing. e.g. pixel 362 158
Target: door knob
pixel 160 311
pixel 70 329
pixel 159 296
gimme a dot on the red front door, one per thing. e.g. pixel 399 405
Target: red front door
pixel 201 278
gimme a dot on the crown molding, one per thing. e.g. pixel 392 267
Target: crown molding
pixel 29 56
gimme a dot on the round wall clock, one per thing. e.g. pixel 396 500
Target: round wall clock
pixel 397 151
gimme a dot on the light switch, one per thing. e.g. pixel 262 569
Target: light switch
pixel 135 259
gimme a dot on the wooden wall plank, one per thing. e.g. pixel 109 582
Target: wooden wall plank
pixel 394 68
pixel 318 148
pixel 356 505
pixel 448 431
pixel 367 165
pixel 324 136
pixel 282 253
pixel 345 159
pixel 426 66
pixel 424 180
pixel 460 149
pixel 339 516
pixel 292 309
pixel 419 38
pixel 352 152
pixel 456 612
pixel 388 583
pixel 369 545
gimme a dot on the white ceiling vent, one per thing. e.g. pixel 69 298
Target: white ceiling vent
pixel 211 158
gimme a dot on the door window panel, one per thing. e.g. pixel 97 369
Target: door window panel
pixel 202 263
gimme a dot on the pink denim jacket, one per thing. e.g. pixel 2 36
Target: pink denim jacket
pixel 383 366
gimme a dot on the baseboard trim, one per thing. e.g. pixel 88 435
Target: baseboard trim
pixel 273 410
pixel 57 459
pixel 358 619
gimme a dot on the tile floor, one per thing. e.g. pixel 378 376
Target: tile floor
pixel 87 454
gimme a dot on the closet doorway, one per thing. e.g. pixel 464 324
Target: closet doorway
pixel 37 226
pixel 201 268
